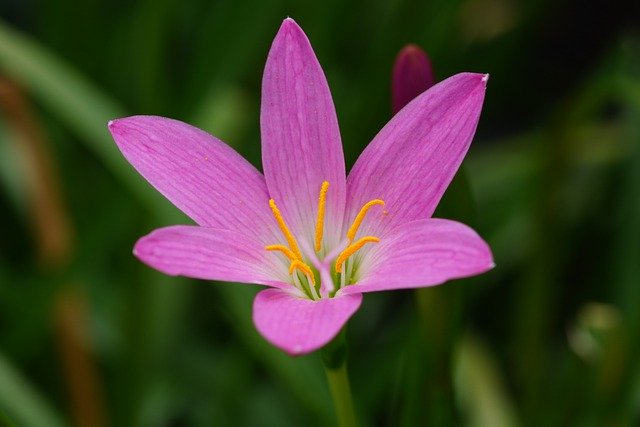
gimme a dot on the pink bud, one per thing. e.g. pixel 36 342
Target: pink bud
pixel 412 75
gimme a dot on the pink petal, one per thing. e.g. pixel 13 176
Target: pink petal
pixel 210 254
pixel 412 75
pixel 198 173
pixel 299 325
pixel 410 163
pixel 301 145
pixel 423 253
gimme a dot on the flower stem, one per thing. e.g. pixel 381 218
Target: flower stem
pixel 341 395
pixel 334 359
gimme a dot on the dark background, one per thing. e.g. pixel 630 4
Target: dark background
pixel 550 337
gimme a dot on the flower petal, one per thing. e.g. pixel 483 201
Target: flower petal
pixel 210 254
pixel 299 325
pixel 301 145
pixel 412 160
pixel 198 173
pixel 423 253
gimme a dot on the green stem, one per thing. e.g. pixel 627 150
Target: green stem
pixel 341 395
pixel 335 366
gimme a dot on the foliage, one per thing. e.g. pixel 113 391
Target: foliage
pixel 550 337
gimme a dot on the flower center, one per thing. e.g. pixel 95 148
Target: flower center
pixel 307 278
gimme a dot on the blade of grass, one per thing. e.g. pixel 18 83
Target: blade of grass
pixel 71 97
pixel 22 402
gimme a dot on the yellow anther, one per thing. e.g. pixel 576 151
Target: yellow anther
pixel 353 248
pixel 299 265
pixel 283 226
pixel 351 234
pixel 282 248
pixel 320 220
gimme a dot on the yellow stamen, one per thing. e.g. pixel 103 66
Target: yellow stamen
pixel 351 234
pixel 320 220
pixel 287 234
pixel 296 264
pixel 282 248
pixel 353 248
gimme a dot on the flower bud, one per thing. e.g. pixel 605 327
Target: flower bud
pixel 412 75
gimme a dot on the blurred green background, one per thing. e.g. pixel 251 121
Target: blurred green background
pixel 91 337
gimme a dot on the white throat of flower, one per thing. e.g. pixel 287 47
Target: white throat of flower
pixel 308 276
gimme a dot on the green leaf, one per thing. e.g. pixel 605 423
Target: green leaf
pixel 22 402
pixel 72 98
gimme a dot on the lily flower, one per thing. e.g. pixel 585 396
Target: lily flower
pixel 317 238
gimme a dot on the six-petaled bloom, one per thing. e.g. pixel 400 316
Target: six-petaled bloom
pixel 316 238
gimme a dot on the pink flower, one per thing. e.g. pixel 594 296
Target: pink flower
pixel 316 238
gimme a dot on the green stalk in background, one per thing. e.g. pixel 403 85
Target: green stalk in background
pixel 22 402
